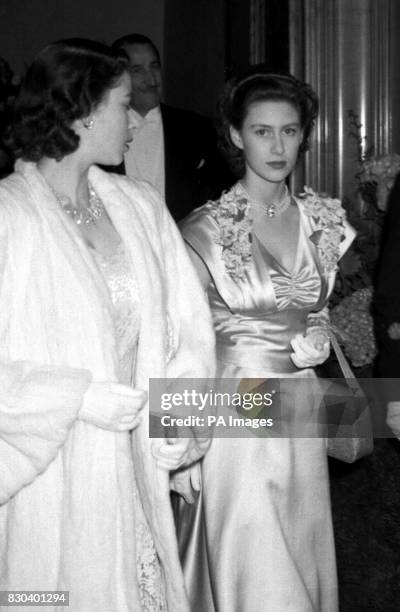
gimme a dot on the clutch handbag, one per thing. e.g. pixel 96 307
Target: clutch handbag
pixel 353 438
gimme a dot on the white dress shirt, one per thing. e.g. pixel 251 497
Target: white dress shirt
pixel 145 158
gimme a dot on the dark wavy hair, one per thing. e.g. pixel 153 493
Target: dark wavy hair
pixel 241 92
pixel 66 81
pixel 135 39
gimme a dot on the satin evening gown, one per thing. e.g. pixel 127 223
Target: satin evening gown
pixel 122 287
pixel 260 537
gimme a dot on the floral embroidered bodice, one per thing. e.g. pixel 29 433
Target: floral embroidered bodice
pixel 122 286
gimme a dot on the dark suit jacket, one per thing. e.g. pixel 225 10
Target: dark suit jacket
pixel 386 305
pixel 194 170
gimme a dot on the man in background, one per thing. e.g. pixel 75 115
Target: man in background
pixel 175 150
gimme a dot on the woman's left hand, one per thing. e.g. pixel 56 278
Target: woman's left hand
pixel 173 453
pixel 187 482
pixel 306 354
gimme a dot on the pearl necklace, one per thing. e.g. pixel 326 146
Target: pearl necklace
pixel 270 210
pixel 86 215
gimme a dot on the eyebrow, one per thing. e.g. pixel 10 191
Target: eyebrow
pixel 266 125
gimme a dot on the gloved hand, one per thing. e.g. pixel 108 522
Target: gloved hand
pixel 187 482
pixel 393 417
pixel 112 406
pixel 310 350
pixel 173 453
pixel 318 336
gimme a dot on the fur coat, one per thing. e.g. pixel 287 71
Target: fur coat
pixel 66 513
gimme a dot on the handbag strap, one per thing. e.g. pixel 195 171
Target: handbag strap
pixel 344 364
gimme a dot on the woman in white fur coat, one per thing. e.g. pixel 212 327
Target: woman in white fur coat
pixel 97 295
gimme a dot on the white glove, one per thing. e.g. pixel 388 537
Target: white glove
pixel 393 417
pixel 187 482
pixel 173 453
pixel 112 406
pixel 318 336
pixel 310 350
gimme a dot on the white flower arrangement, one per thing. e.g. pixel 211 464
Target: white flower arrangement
pixel 231 214
pixel 327 215
pixel 381 170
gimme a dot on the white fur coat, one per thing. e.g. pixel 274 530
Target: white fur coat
pixel 66 513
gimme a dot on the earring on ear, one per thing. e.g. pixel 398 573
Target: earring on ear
pixel 88 123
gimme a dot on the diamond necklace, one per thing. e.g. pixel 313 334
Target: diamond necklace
pixel 270 210
pixel 86 215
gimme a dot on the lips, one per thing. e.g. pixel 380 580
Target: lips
pixel 278 165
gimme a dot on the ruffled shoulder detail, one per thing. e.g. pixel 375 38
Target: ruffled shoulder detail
pixel 228 225
pixel 218 232
pixel 328 224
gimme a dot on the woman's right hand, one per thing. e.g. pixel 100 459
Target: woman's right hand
pixel 112 406
pixel 309 351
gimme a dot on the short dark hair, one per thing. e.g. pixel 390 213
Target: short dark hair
pixel 66 81
pixel 135 39
pixel 241 92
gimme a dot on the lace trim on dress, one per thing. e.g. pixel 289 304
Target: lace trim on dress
pixel 148 571
pixel 148 568
pixel 122 286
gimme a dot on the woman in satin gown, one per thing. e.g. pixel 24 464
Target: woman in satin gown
pixel 260 535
